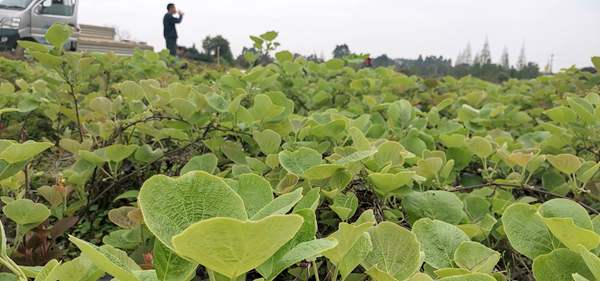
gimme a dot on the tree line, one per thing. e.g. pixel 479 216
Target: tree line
pixel 481 65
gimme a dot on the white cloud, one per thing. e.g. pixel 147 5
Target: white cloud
pixel 399 28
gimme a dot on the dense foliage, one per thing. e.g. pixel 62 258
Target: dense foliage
pixel 292 171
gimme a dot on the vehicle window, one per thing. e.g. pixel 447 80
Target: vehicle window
pixel 58 7
pixel 14 4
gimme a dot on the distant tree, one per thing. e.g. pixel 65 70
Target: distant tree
pixel 505 59
pixel 485 56
pixel 529 71
pixel 218 47
pixel 383 61
pixel 341 51
pixel 522 61
pixel 549 68
pixel 465 56
pixel 314 58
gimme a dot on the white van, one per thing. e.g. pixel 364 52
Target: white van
pixel 30 19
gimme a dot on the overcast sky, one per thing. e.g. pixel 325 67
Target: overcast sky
pixel 569 29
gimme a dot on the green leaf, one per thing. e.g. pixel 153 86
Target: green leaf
pixel 596 62
pixel 420 277
pixel 480 147
pixel 566 163
pixel 378 275
pixel 565 208
pixel 439 205
pixel 26 212
pixel 145 154
pixel 469 277
pixel 303 251
pixel 439 241
pixel 526 231
pixel 217 102
pixel 207 163
pixel 19 152
pixel 335 64
pixel 79 269
pixel 571 235
pixel 46 271
pixel 299 161
pixel 346 236
pixel 109 259
pixel 359 251
pixel 233 247
pixel 169 266
pixel 356 157
pixel 170 205
pixel 476 257
pixel 256 192
pixel 562 114
pixel 309 201
pixel 281 205
pixel 32 46
pixel 57 35
pixel 322 171
pixel 560 265
pixel 396 251
pixel 119 152
pixel 234 152
pixel 585 175
pixel 591 260
pixel 284 56
pixel 268 141
pixel 269 36
pixel 345 205
pixel 131 90
pixel 264 108
pixel 386 183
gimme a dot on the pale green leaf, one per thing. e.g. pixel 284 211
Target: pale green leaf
pixel 281 205
pixel 527 232
pixel 169 266
pixel 109 259
pixel 560 265
pixel 233 247
pixel 396 251
pixel 476 257
pixel 170 205
pixel 439 240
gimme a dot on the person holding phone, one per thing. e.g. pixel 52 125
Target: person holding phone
pixel 170 30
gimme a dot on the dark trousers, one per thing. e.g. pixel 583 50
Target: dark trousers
pixel 172 46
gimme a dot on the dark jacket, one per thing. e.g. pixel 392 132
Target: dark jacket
pixel 169 22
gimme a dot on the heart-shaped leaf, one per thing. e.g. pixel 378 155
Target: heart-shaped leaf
pixel 233 247
pixel 268 141
pixel 476 257
pixel 207 163
pixel 527 232
pixel 560 265
pixel 113 261
pixel 440 205
pixel 58 34
pixel 299 161
pixel 566 163
pixel 19 152
pixel 170 205
pixel 26 212
pixel 439 241
pixel 396 251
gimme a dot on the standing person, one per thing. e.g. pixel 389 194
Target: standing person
pixel 170 31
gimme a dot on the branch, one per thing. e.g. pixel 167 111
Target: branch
pixel 509 186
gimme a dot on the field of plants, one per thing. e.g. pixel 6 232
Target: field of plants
pixel 144 168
